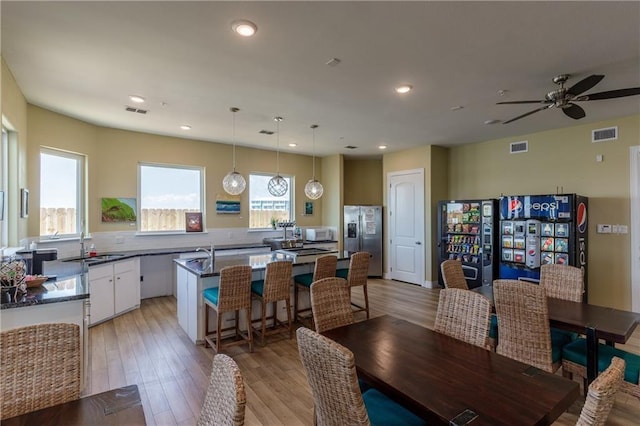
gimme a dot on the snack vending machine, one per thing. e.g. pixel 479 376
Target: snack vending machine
pixel 542 229
pixel 467 232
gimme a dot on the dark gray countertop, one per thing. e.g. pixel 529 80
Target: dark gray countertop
pixel 63 289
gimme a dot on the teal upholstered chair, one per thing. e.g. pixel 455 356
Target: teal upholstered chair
pixel 356 276
pixel 337 398
pixel 275 287
pixel 325 267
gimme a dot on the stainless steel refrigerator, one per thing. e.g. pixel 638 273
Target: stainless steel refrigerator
pixel 363 232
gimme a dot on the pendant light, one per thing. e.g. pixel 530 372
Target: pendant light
pixel 277 185
pixel 234 183
pixel 313 189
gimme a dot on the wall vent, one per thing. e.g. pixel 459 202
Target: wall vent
pixel 351 147
pixel 518 147
pixel 604 135
pixel 266 132
pixel 134 109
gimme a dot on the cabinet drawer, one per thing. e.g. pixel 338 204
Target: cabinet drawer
pixel 124 266
pixel 97 272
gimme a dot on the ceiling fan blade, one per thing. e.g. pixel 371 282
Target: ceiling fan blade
pixel 544 101
pixel 529 113
pixel 585 84
pixel 574 111
pixel 610 94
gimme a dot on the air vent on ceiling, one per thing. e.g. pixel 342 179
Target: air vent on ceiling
pixel 603 135
pixel 518 147
pixel 266 132
pixel 351 147
pixel 134 109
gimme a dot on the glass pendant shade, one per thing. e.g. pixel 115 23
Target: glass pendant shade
pixel 277 186
pixel 234 183
pixel 313 189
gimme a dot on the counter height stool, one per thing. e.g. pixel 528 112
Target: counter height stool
pixel 232 295
pixel 325 267
pixel 356 276
pixel 276 286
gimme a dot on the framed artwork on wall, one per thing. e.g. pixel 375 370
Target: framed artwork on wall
pixel 193 221
pixel 118 209
pixel 24 202
pixel 308 208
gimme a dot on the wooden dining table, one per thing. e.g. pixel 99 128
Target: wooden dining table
pixel 439 377
pixel 595 322
pixel 120 406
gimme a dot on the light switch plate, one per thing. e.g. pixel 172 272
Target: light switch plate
pixel 603 229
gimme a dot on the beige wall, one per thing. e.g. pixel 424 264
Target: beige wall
pixel 437 176
pixel 332 170
pixel 363 182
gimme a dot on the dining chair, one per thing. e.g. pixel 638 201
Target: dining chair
pixel 225 401
pixel 601 395
pixel 453 275
pixel 275 287
pixel 564 282
pixel 523 319
pixel 357 275
pixel 325 267
pixel 464 315
pixel 331 304
pixel 337 399
pixel 232 295
pixel 40 367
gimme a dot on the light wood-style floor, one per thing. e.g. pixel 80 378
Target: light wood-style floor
pixel 147 347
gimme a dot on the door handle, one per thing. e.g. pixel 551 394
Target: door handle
pixel 418 243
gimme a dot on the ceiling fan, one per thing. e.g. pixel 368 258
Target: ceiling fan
pixel 563 98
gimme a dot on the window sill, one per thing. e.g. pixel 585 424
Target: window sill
pixel 166 233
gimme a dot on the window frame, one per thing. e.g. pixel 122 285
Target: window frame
pixel 291 198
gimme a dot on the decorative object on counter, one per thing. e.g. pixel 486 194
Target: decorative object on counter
pixel 193 221
pixel 24 202
pixel 277 186
pixel 274 222
pixel 228 204
pixel 119 209
pixel 12 275
pixel 313 189
pixel 35 280
pixel 234 183
pixel 308 208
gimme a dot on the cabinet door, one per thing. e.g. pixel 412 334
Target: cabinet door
pixel 127 291
pixel 102 298
pixel 192 306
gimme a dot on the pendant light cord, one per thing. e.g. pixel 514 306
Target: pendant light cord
pixel 278 120
pixel 234 110
pixel 313 129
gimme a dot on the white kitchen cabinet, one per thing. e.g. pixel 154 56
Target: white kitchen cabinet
pixel 189 291
pixel 114 288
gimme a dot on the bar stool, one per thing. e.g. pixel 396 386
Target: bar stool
pixel 356 276
pixel 325 267
pixel 276 286
pixel 232 295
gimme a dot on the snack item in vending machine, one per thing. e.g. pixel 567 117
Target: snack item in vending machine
pixel 562 258
pixel 546 259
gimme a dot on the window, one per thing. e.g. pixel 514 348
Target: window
pixel 263 206
pixel 61 193
pixel 166 193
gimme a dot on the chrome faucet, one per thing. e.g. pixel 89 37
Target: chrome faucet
pixel 82 244
pixel 211 253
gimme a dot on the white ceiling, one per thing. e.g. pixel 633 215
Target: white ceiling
pixel 83 59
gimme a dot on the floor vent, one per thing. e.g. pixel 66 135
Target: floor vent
pixel 604 135
pixel 133 109
pixel 518 147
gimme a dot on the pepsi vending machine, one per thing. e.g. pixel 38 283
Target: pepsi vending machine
pixel 467 232
pixel 542 229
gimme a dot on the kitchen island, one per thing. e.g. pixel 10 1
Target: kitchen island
pixel 193 276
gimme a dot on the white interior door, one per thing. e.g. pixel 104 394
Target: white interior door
pixel 406 226
pixel 634 196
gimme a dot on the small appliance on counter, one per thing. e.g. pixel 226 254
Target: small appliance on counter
pixel 318 234
pixel 34 258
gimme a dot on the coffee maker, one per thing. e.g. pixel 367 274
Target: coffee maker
pixel 33 259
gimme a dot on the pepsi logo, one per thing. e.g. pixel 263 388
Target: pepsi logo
pixel 582 218
pixel 515 205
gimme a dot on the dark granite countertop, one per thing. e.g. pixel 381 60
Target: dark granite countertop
pixel 63 289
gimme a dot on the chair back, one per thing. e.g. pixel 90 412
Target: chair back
pixel 464 315
pixel 523 319
pixel 358 269
pixel 452 274
pixel 601 395
pixel 277 281
pixel 235 288
pixel 331 303
pixel 325 267
pixel 40 367
pixel 225 401
pixel 331 373
pixel 562 281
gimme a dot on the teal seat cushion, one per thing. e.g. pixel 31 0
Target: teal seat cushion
pixel 342 273
pixel 257 287
pixel 559 339
pixel 568 335
pixel 576 352
pixel 493 327
pixel 304 279
pixel 211 294
pixel 384 411
pixel 364 386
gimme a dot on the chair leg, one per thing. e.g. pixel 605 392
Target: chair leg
pixel 206 323
pixel 288 304
pixel 295 301
pixel 249 330
pixel 264 322
pixel 366 299
pixel 218 331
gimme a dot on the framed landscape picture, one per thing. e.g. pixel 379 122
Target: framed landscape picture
pixel 118 209
pixel 226 204
pixel 193 221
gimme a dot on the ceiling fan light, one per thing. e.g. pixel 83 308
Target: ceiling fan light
pixel 277 186
pixel 234 183
pixel 313 189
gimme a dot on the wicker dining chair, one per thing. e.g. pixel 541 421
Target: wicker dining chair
pixel 225 401
pixel 357 275
pixel 464 315
pixel 331 304
pixel 337 399
pixel 40 367
pixel 232 295
pixel 275 287
pixel 562 282
pixel 523 319
pixel 601 395
pixel 325 267
pixel 452 274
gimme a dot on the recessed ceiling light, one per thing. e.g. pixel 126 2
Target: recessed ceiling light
pixel 382 147
pixel 136 99
pixel 405 88
pixel 185 127
pixel 293 145
pixel 244 28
